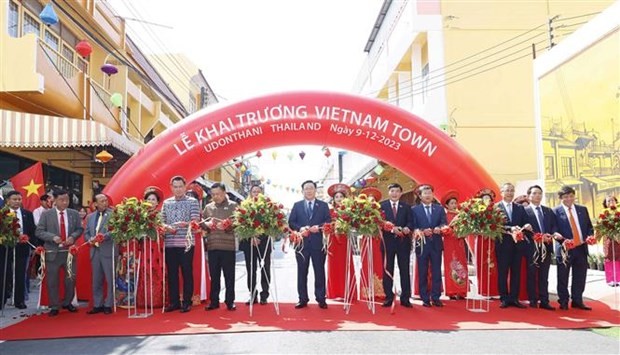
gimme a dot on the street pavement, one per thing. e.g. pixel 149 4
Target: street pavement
pixel 459 342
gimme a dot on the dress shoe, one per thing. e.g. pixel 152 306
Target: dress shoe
pixel 504 304
pixel 95 310
pixel 518 304
pixel 212 306
pixel 186 308
pixel 547 306
pixel 53 313
pixel 406 304
pixel 71 308
pixel 533 305
pixel 438 303
pixel 563 306
pixel 21 306
pixel 247 303
pixel 263 301
pixel 387 303
pixel 107 310
pixel 426 304
pixel 172 308
pixel 580 306
pixel 322 305
pixel 231 307
pixel 301 305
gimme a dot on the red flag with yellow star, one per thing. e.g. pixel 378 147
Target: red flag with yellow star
pixel 30 183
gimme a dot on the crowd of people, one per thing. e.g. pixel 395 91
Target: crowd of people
pixel 515 270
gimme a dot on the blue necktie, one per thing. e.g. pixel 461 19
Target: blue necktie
pixel 428 214
pixel 541 219
pixel 309 209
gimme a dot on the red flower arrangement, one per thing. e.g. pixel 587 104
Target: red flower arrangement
pixel 608 224
pixel 257 216
pixel 475 217
pixel 9 227
pixel 133 219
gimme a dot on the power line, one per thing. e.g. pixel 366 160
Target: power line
pixel 118 56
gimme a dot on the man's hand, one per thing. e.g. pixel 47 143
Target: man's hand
pixel 170 229
pixel 314 229
pixel 70 241
pixel 406 230
pixel 557 236
pixel 57 240
pixel 528 227
pixel 437 230
pixel 428 232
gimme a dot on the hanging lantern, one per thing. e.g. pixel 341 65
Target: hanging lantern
pixel 238 164
pixel 109 69
pixel 243 168
pixel 259 154
pixel 326 152
pixel 362 182
pixel 353 189
pixel 379 169
pixel 302 155
pixel 104 157
pixel 371 179
pixel 274 155
pixel 83 48
pixel 290 155
pixel 117 100
pixel 268 182
pixel 48 15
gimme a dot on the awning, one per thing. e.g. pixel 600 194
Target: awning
pixel 26 130
pixel 601 185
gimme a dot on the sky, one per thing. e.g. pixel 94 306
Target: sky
pixel 249 48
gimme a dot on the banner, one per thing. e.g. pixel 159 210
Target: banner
pixel 30 184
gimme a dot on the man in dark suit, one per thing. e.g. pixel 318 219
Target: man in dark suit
pixel 59 228
pixel 397 243
pixel 428 218
pixel 542 220
pixel 573 223
pixel 101 254
pixel 307 217
pixel 22 250
pixel 509 251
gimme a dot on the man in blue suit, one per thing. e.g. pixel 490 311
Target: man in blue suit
pixel 308 216
pixel 397 243
pixel 542 220
pixel 573 223
pixel 428 218
pixel 509 251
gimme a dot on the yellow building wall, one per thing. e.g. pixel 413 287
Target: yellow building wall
pixel 580 104
pixel 494 110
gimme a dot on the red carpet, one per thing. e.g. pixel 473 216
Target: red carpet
pixel 453 316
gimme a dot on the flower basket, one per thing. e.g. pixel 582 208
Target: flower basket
pixel 9 227
pixel 608 224
pixel 358 214
pixel 477 218
pixel 133 220
pixel 257 216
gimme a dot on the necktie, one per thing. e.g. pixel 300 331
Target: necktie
pixel 541 219
pixel 428 214
pixel 63 228
pixel 99 220
pixel 573 227
pixel 309 209
pixel 509 211
pixel 394 210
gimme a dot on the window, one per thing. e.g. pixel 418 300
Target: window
pixel 568 167
pixel 31 25
pixel 68 53
pixel 192 103
pixel 549 168
pixel 13 26
pixel 52 40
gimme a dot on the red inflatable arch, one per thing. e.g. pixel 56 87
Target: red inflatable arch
pixel 211 137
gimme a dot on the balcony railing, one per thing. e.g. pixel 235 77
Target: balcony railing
pixel 66 68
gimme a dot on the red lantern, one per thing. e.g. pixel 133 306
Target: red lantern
pixel 327 153
pixel 259 154
pixel 84 48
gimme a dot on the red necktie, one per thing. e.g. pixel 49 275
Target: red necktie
pixel 63 228
pixel 394 210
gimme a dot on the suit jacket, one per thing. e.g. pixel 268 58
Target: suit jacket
pixel 403 218
pixel 563 225
pixel 299 218
pixel 91 223
pixel 48 228
pixel 438 219
pixel 549 222
pixel 518 218
pixel 28 228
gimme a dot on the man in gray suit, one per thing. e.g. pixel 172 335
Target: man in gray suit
pixel 101 254
pixel 59 228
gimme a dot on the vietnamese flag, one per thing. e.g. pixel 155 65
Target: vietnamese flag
pixel 30 183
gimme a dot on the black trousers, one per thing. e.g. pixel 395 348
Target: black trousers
pixel 222 262
pixel 177 258
pixel 509 256
pixel 403 253
pixel 578 262
pixel 538 274
pixel 6 270
pixel 252 261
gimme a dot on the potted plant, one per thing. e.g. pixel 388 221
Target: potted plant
pixel 592 263
pixel 600 260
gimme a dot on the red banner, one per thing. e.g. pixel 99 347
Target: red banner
pixel 30 184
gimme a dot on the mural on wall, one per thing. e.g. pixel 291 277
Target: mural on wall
pixel 580 103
